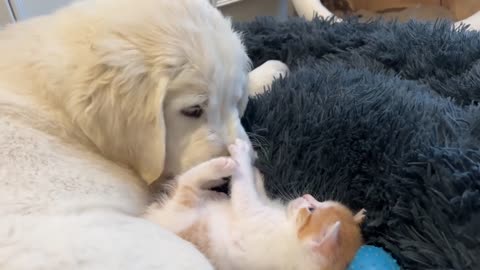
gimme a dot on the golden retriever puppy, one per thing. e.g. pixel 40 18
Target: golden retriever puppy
pixel 97 101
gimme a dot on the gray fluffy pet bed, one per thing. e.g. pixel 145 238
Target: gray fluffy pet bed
pixel 377 115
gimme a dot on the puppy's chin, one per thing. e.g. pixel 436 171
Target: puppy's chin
pixel 158 186
pixel 165 177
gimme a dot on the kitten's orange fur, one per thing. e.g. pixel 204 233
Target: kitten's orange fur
pixel 348 240
pixel 250 231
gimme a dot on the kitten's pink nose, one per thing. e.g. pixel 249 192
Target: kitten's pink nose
pixel 309 198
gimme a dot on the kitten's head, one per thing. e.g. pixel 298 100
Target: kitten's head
pixel 328 232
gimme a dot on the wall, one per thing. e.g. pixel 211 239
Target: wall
pixel 249 9
pixel 5 15
pixel 460 9
pixel 240 11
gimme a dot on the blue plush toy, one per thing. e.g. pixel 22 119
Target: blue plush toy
pixel 373 258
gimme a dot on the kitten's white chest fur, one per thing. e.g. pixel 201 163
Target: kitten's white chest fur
pixel 262 241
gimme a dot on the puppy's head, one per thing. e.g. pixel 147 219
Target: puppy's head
pixel 166 84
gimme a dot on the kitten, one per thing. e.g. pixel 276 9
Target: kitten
pixel 250 231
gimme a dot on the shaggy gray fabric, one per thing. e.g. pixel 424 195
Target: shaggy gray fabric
pixel 377 115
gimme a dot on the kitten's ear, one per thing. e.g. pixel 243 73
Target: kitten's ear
pixel 328 245
pixel 360 216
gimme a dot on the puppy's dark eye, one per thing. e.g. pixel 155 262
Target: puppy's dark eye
pixel 311 209
pixel 193 111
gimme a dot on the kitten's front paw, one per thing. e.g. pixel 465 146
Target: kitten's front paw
pixel 223 166
pixel 240 152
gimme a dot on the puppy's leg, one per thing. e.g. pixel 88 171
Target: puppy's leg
pixel 262 77
pixel 311 8
pixel 105 240
pixel 244 196
pixel 473 21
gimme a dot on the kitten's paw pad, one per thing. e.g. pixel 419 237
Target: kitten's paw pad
pixel 224 166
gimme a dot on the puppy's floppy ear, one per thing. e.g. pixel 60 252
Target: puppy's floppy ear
pixel 117 102
pixel 151 154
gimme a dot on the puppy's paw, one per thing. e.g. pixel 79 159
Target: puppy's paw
pixel 473 22
pixel 262 77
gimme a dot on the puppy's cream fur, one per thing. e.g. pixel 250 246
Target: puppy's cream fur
pixel 92 102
